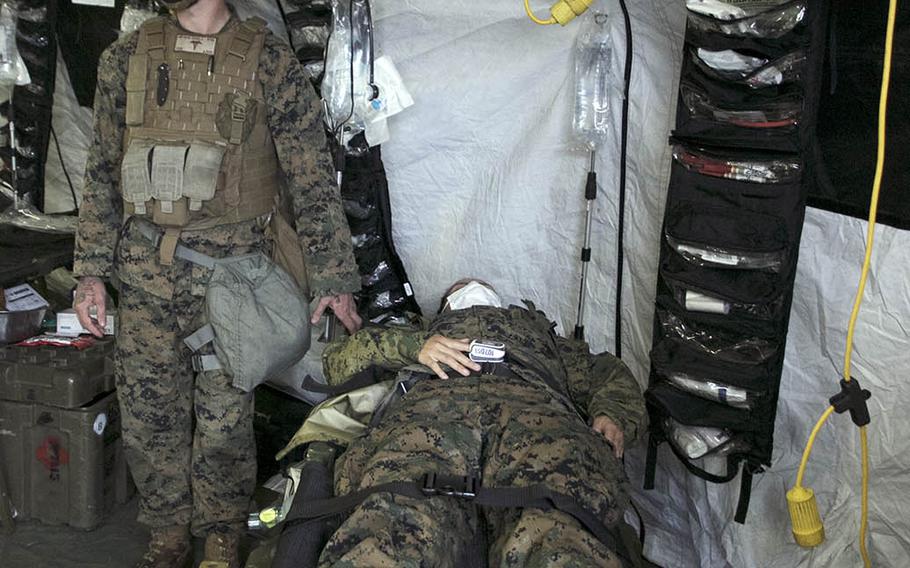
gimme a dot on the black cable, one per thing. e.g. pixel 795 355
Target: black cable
pixel 65 173
pixel 284 18
pixel 624 142
pixel 370 29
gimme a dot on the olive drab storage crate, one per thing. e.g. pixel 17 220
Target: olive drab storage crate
pixel 60 445
pixel 64 465
pixel 742 157
pixel 57 376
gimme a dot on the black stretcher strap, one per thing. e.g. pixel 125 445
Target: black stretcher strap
pixel 359 380
pixel 651 460
pixel 745 495
pixel 465 487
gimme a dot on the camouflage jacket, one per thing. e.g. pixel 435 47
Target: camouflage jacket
pixel 594 384
pixel 294 117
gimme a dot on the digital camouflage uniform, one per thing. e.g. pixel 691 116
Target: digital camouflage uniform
pixel 189 439
pixel 508 432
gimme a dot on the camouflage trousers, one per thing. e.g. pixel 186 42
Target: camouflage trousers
pixel 188 437
pixel 503 431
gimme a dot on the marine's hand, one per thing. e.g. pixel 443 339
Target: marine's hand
pixel 90 292
pixel 439 349
pixel 610 431
pixel 345 309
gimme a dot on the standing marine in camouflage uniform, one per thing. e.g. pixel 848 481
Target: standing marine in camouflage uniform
pixel 205 126
pixel 557 417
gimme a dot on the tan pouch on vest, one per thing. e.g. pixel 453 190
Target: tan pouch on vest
pixel 200 178
pixel 136 183
pixel 135 89
pixel 168 162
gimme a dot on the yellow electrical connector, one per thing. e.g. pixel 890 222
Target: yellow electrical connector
pixel 561 12
pixel 807 525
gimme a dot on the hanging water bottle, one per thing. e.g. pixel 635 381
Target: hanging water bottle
pixel 593 62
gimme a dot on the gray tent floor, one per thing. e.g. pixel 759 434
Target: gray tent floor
pixel 118 543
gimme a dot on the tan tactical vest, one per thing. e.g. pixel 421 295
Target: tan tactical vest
pixel 198 151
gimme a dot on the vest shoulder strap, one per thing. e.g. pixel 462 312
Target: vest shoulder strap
pixel 151 35
pixel 151 38
pixel 244 44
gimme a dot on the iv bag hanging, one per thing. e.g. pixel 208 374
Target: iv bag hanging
pixel 349 52
pixel 593 62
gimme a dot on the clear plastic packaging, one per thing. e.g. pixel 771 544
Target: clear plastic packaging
pixel 719 392
pixel 739 350
pixel 755 171
pixel 732 10
pixel 346 87
pixel 702 254
pixel 787 69
pixel 771 24
pixel 593 65
pixel 135 13
pixel 753 72
pixel 729 61
pixel 9 53
pixel 699 441
pixel 696 301
pixel 783 113
pixel 24 215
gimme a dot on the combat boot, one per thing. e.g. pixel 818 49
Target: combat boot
pixel 222 550
pixel 169 547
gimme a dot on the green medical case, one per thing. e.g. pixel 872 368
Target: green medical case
pixel 64 466
pixel 58 376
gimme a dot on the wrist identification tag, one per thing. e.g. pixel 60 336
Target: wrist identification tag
pixel 487 352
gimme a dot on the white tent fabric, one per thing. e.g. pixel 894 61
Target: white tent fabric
pixel 484 182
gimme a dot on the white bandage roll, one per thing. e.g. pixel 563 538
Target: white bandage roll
pixel 697 302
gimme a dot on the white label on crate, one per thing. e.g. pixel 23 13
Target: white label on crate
pixel 100 423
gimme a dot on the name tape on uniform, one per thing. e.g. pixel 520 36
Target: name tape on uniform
pixel 195 44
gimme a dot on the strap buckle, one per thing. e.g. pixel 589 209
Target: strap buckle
pixel 239 107
pixel 196 362
pixel 463 486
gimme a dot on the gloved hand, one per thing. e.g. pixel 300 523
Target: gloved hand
pixel 90 292
pixel 345 309
pixel 611 433
pixel 439 349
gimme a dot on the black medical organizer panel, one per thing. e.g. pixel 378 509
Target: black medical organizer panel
pixel 743 348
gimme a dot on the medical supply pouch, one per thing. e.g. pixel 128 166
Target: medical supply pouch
pixel 170 180
pixel 743 159
pixel 258 320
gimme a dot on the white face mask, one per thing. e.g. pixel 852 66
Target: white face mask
pixel 473 294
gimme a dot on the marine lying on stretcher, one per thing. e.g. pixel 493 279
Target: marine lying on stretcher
pixel 497 443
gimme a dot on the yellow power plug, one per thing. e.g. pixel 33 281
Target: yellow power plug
pixel 565 11
pixel 807 523
pixel 562 12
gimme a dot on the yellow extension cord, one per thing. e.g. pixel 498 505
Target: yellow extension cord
pixel 807 528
